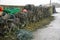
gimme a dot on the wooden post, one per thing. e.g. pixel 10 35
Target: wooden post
pixel 50 2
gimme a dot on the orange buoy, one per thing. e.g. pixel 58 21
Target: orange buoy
pixel 1 10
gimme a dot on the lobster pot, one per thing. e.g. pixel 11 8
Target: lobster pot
pixel 54 10
pixel 6 16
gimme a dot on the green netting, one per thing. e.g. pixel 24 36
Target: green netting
pixel 12 10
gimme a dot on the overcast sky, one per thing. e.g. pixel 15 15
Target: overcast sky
pixel 24 2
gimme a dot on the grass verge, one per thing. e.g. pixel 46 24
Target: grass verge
pixel 40 24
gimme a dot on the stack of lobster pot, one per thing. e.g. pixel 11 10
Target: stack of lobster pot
pixel 54 10
pixel 31 12
pixel 40 12
pixel 46 11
